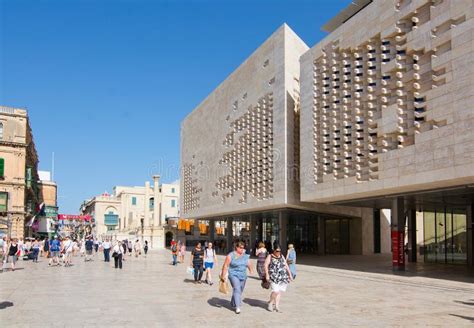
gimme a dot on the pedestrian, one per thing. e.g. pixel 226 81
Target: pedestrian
pixel 89 249
pixel 36 249
pixel 13 252
pixel 197 258
pixel 130 248
pixel 46 247
pixel 67 251
pixel 124 244
pixel 145 248
pixel 138 248
pixel 96 245
pixel 55 248
pixel 235 267
pixel 174 252
pixel 117 254
pixel 106 247
pixel 182 251
pixel 291 260
pixel 210 259
pixel 83 248
pixel 261 254
pixel 279 275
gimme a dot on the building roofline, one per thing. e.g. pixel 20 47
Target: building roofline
pixel 344 15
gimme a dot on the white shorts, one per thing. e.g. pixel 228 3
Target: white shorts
pixel 277 288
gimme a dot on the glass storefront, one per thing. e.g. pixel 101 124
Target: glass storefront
pixel 445 232
pixel 305 230
pixel 337 236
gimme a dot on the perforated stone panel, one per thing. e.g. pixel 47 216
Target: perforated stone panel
pixel 373 88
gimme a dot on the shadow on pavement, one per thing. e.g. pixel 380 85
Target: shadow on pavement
pixel 189 281
pixel 256 303
pixel 4 305
pixel 463 317
pixel 465 303
pixel 220 303
pixel 381 264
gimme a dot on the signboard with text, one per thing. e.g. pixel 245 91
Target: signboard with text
pixel 398 254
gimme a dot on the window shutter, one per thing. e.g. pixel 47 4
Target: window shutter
pixel 2 167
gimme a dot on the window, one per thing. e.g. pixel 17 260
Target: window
pixel 134 200
pixel 173 203
pixel 3 201
pixel 152 204
pixel 2 168
pixel 173 190
pixel 1 130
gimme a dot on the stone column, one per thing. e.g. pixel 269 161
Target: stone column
pixel 282 222
pixel 230 234
pixel 412 236
pixel 157 201
pixel 253 232
pixel 212 230
pixel 146 219
pixel 196 231
pixel 321 236
pixel 398 229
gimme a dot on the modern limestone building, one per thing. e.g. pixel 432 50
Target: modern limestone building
pixel 19 192
pixel 135 212
pixel 241 161
pixel 387 117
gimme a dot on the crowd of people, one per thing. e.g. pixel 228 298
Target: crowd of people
pixel 60 251
pixel 275 271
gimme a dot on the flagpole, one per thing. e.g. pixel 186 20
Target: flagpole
pixel 52 168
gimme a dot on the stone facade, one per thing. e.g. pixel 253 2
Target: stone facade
pixel 139 211
pixel 19 190
pixel 388 102
pixel 235 146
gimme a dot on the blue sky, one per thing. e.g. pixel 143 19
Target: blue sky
pixel 107 82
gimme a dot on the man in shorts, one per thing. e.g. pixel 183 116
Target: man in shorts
pixel 54 248
pixel 89 249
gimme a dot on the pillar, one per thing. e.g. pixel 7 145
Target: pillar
pixel 212 230
pixel 196 231
pixel 253 232
pixel 146 219
pixel 321 236
pixel 398 229
pixel 283 222
pixel 157 201
pixel 412 236
pixel 230 234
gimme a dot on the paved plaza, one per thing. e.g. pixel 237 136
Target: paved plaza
pixel 149 292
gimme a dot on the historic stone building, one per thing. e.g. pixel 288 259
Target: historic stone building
pixel 19 192
pixel 135 212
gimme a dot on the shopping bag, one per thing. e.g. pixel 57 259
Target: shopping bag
pixel 224 287
pixel 190 270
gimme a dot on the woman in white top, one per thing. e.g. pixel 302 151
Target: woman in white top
pixel 67 249
pixel 210 259
pixel 117 253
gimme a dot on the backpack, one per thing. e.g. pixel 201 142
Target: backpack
pixel 174 248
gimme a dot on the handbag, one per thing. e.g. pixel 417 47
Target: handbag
pixel 223 287
pixel 190 270
pixel 265 284
pixel 114 254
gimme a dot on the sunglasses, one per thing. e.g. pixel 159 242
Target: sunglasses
pixel 276 251
pixel 241 247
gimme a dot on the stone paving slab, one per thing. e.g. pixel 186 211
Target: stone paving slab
pixel 150 292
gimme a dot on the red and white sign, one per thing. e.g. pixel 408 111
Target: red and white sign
pixel 74 217
pixel 398 251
